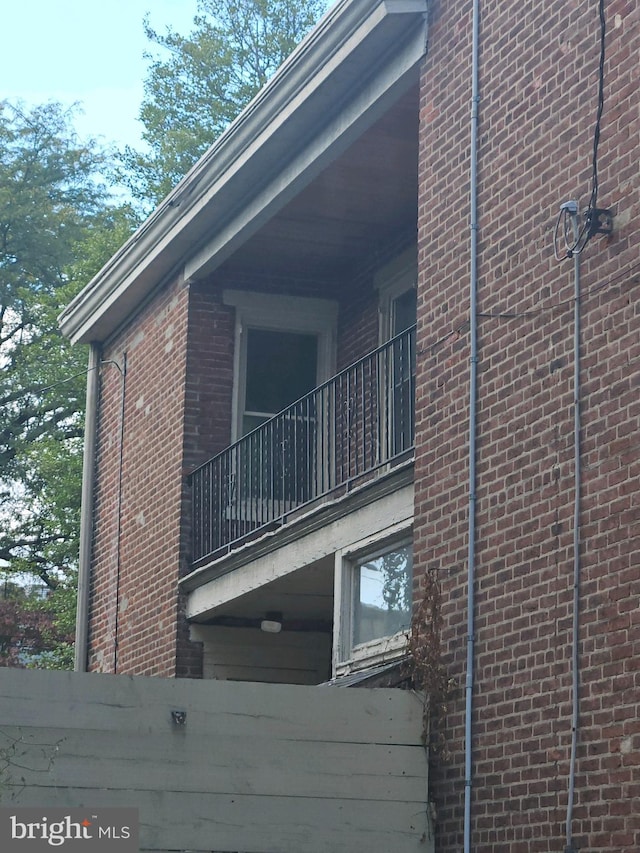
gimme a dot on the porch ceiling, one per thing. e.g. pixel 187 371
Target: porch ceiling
pixel 290 156
pixel 306 594
pixel 363 198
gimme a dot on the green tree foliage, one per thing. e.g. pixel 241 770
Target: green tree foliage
pixel 209 76
pixel 56 230
pixel 34 626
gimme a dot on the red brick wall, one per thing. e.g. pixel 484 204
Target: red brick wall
pixel 178 401
pixel 133 592
pixel 538 72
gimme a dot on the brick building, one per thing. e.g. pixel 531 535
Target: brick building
pixel 342 356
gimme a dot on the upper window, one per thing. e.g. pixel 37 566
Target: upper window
pixel 285 347
pixel 403 311
pixel 396 284
pixel 280 368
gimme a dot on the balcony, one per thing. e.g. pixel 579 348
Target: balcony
pixel 350 429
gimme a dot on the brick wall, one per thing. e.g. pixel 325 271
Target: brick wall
pixel 138 503
pixel 177 413
pixel 537 113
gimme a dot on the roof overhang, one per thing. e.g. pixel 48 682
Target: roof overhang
pixel 344 75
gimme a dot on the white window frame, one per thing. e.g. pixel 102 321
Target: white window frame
pixel 275 312
pixel 391 281
pixel 348 657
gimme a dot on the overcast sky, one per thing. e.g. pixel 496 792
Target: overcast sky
pixel 89 51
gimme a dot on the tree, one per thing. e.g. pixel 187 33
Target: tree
pixel 210 75
pixel 56 230
pixel 32 631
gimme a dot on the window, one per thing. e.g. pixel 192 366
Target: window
pixel 373 615
pixel 382 594
pixel 280 368
pixel 403 311
pixel 285 346
pixel 396 285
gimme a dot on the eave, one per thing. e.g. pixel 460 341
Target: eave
pixel 360 57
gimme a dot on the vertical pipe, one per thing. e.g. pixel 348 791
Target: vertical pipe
pixel 473 394
pixel 86 510
pixel 123 374
pixel 572 207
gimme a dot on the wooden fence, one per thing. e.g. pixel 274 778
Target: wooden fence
pixel 221 766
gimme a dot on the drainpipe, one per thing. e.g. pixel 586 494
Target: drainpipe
pixel 473 396
pixel 86 511
pixel 572 208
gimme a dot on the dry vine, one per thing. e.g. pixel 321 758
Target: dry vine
pixel 14 751
pixel 425 665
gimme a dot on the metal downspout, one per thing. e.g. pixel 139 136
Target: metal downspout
pixel 86 510
pixel 473 395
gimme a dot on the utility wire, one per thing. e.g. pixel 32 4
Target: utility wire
pixel 565 303
pixel 458 330
pixel 85 372
pixel 576 243
pixel 58 383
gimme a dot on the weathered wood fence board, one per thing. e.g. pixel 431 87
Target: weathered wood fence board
pixel 256 768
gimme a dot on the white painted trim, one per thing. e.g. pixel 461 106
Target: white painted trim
pixel 384 513
pixel 392 280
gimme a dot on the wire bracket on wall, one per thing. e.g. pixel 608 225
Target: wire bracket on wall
pixel 599 220
pixel 594 220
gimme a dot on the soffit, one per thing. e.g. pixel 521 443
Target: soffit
pixel 359 60
pixel 360 200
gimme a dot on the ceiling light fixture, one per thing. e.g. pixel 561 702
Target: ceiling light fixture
pixel 272 623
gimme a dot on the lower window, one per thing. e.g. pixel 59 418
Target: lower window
pixel 375 607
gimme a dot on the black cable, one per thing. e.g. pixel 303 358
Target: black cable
pixel 574 246
pixel 53 385
pixel 565 303
pixel 593 201
pixel 457 330
pixel 39 391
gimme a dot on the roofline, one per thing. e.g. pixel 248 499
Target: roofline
pixel 243 177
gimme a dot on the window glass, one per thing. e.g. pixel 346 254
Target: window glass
pixel 403 311
pixel 382 599
pixel 281 367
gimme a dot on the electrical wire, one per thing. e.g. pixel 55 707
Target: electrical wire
pixel 563 304
pixel 457 331
pixel 575 243
pixel 53 385
pixel 85 372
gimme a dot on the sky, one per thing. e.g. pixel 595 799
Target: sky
pixel 86 51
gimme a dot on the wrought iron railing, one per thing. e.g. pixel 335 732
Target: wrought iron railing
pixel 358 421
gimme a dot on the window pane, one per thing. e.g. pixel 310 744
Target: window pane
pixel 281 367
pixel 404 311
pixel 382 603
pixel 251 422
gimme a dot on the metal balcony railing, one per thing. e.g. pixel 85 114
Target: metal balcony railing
pixel 355 423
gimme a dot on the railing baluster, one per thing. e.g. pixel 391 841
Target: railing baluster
pixel 357 421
